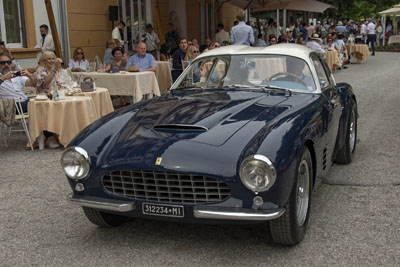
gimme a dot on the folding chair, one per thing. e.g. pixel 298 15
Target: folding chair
pixel 21 117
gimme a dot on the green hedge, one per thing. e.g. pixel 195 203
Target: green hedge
pixel 389 48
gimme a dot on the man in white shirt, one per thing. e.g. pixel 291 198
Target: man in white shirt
pixel 221 36
pixel 371 35
pixel 314 44
pixel 12 83
pixel 242 34
pixel 118 33
pixel 363 31
pixel 46 43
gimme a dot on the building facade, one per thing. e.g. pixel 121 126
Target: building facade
pixel 87 24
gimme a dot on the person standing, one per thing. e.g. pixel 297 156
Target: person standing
pixel 363 32
pixel 172 37
pixel 46 43
pixel 242 34
pixel 178 56
pixel 152 41
pixel 221 36
pixel 371 35
pixel 118 33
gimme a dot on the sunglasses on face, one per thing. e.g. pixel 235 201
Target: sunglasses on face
pixel 196 51
pixel 79 53
pixel 5 62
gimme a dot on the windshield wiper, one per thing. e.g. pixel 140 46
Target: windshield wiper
pixel 239 86
pixel 288 92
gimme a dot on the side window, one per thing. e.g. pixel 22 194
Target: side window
pixel 322 77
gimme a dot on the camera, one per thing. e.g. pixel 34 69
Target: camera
pixel 18 73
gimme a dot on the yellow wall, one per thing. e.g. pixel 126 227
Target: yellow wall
pixel 193 19
pixel 89 26
pixel 228 15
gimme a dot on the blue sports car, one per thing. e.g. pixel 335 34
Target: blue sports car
pixel 241 137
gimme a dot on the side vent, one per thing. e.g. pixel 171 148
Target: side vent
pixel 324 159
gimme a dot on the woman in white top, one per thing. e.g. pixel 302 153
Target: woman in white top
pixel 79 63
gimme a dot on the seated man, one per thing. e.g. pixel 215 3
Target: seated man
pixel 143 60
pixel 11 84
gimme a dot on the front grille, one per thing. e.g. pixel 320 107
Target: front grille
pixel 165 186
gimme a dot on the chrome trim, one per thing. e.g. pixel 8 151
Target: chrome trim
pixel 81 152
pixel 102 203
pixel 236 214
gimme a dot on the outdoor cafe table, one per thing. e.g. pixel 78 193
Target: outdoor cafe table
pixel 134 84
pixel 102 100
pixel 332 59
pixel 66 118
pixel 163 74
pixel 360 51
pixel 394 39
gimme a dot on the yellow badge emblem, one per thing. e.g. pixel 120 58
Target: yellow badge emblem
pixel 158 160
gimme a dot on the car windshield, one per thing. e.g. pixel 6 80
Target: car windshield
pixel 248 71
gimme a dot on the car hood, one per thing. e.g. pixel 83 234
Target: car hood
pixel 210 118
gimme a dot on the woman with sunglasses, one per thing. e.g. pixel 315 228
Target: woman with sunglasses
pixel 191 53
pixel 79 63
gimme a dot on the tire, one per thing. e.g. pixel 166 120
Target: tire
pixel 103 219
pixel 290 228
pixel 346 153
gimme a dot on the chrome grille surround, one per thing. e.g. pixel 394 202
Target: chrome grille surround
pixel 169 187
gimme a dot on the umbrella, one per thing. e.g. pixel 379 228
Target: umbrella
pixel 299 5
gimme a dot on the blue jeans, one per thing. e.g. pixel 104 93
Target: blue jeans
pixel 371 38
pixel 24 106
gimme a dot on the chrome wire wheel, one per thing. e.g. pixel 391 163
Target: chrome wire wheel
pixel 352 130
pixel 302 192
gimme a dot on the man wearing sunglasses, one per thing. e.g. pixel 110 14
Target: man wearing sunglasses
pixel 11 84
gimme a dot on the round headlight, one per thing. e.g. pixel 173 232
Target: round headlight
pixel 75 162
pixel 257 173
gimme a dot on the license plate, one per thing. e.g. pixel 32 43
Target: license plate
pixel 163 210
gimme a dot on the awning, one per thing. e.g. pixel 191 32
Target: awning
pixel 391 11
pixel 299 5
pixel 244 4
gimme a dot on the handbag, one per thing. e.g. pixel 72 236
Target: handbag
pixel 87 85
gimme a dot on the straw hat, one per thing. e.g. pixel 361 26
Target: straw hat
pixel 315 36
pixel 340 23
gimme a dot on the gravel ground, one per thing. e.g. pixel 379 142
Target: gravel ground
pixel 354 222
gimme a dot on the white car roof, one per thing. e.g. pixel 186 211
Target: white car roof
pixel 294 50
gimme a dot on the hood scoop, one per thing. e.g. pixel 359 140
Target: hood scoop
pixel 180 128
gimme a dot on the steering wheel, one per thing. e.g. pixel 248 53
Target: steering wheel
pixel 292 77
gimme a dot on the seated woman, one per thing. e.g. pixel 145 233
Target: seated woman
pixel 165 52
pixel 119 62
pixel 46 74
pixel 47 79
pixel 191 53
pixel 79 63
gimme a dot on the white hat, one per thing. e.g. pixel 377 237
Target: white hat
pixel 315 36
pixel 340 23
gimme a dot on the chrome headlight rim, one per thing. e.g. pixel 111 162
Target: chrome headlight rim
pixel 270 172
pixel 86 161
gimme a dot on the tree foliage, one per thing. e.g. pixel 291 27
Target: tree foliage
pixel 357 9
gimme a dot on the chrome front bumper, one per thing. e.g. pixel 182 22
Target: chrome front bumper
pixel 216 213
pixel 101 203
pixel 236 214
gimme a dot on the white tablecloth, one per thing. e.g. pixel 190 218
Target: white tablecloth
pixel 135 84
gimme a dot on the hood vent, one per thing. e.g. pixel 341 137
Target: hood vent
pixel 180 128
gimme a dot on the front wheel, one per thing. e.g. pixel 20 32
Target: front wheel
pixel 103 219
pixel 290 228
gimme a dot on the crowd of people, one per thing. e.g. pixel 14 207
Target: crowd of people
pixel 51 71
